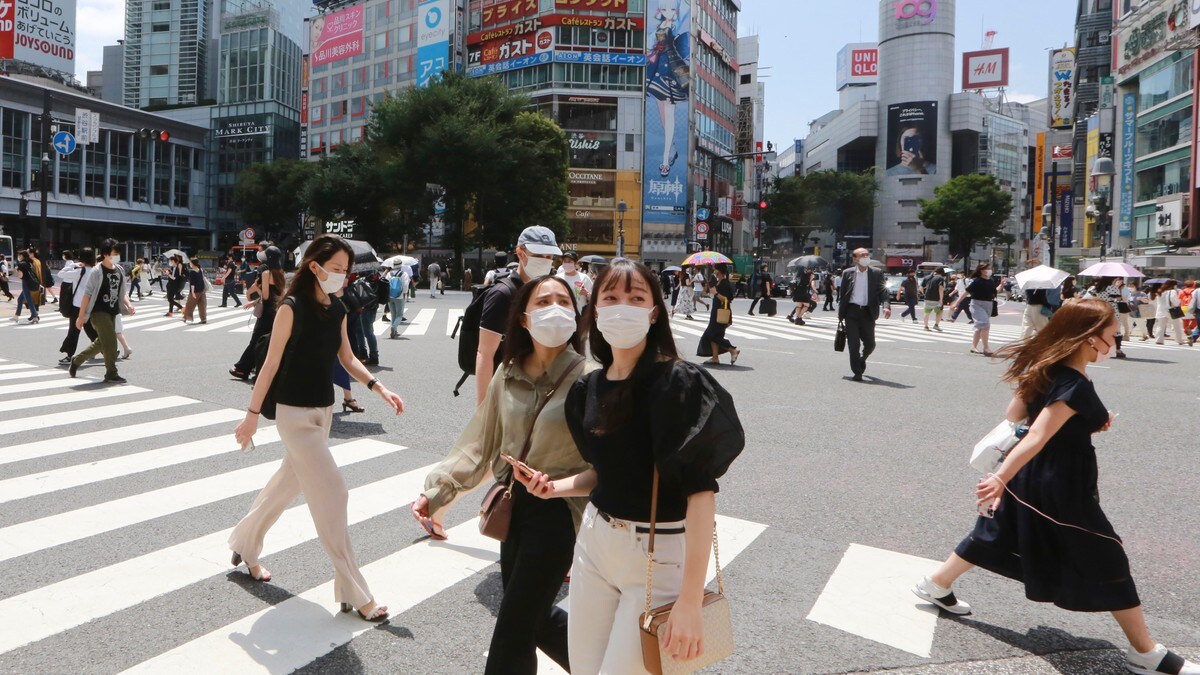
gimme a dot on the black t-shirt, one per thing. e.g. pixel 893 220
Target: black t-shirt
pixel 763 280
pixel 1036 296
pixel 934 288
pixel 196 279
pixel 497 303
pixel 982 289
pixel 305 376
pixel 29 281
pixel 109 301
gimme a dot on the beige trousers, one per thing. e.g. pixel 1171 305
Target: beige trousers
pixel 608 592
pixel 195 300
pixel 307 468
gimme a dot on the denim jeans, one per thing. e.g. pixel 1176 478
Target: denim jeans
pixel 26 298
pixel 366 326
pixel 396 305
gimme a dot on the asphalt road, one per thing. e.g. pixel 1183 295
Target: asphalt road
pixel 113 510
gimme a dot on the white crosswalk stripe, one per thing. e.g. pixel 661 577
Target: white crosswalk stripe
pixel 296 631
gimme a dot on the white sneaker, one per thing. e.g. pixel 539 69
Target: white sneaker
pixel 1159 660
pixel 941 597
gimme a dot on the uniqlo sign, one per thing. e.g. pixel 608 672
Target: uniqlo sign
pixel 864 63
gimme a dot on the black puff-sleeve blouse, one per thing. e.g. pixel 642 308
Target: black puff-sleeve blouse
pixel 681 420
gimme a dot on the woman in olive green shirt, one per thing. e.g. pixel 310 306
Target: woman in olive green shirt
pixel 542 344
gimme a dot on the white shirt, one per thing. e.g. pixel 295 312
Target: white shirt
pixel 86 273
pixel 70 272
pixel 579 283
pixel 861 292
pixel 698 283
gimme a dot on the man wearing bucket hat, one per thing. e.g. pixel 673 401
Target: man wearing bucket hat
pixel 536 248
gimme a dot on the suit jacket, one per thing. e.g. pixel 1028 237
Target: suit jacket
pixel 877 294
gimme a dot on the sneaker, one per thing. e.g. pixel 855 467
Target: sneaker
pixel 941 597
pixel 115 379
pixel 64 361
pixel 1159 660
pixel 938 328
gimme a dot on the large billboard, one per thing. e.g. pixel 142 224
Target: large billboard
pixel 986 69
pixel 668 97
pixel 1062 88
pixel 336 36
pixel 502 11
pixel 41 32
pixel 435 22
pixel 912 138
pixel 857 64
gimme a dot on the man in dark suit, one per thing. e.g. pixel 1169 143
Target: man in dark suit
pixel 862 295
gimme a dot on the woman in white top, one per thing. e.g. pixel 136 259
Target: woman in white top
pixel 686 302
pixel 1168 298
pixel 72 274
pixel 698 284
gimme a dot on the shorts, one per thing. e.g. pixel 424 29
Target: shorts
pixel 933 306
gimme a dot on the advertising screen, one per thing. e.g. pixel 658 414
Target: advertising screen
pixel 668 82
pixel 41 32
pixel 985 70
pixel 435 21
pixel 336 36
pixel 912 138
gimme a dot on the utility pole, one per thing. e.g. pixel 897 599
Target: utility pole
pixel 1053 209
pixel 47 139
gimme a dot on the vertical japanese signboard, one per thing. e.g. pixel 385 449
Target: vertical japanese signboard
pixel 668 78
pixel 435 20
pixel 1128 137
pixel 1062 88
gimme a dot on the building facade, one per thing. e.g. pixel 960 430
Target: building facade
pixel 165 56
pixel 751 127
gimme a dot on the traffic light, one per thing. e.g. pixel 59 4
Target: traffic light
pixel 762 205
pixel 154 135
pixel 24 207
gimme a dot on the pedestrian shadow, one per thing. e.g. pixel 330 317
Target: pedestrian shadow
pixel 868 379
pixel 344 429
pixel 1054 645
pixel 726 366
pixel 1162 362
pixel 490 592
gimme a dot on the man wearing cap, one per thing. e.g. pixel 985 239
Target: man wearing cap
pixel 580 283
pixel 536 248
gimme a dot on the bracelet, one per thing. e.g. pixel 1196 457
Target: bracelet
pixel 371 385
pixel 253 412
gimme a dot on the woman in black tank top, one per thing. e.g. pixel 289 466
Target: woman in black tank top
pixel 308 333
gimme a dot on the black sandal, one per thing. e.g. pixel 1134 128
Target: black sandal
pixel 379 615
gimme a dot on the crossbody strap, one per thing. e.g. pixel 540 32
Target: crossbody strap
pixel 542 404
pixel 650 550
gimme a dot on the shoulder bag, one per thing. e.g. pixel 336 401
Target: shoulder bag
pixel 993 449
pixel 495 513
pixel 714 610
pixel 1175 311
pixel 724 314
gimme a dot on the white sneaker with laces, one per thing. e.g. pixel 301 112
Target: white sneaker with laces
pixel 941 597
pixel 1159 660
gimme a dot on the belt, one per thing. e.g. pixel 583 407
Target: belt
pixel 622 524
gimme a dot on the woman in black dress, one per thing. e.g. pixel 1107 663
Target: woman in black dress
pixel 801 296
pixel 1080 564
pixel 714 343
pixel 175 281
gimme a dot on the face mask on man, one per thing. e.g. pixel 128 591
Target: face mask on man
pixel 864 261
pixel 537 267
pixel 568 267
pixel 623 326
pixel 551 326
pixel 333 282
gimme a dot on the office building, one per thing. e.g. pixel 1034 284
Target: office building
pixel 752 100
pixel 166 53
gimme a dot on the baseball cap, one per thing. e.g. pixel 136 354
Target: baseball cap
pixel 571 255
pixel 539 240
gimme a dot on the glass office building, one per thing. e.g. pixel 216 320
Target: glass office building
pixel 166 52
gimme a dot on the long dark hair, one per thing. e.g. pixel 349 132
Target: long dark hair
pixel 304 283
pixel 517 341
pixel 660 342
pixel 1032 360
pixel 978 273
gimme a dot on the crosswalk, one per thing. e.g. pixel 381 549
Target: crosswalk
pixel 111 461
pixel 421 322
pixel 759 331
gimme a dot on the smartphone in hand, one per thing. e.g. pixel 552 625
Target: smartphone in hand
pixel 518 465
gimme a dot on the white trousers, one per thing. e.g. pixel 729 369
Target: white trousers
pixel 1175 324
pixel 1033 320
pixel 608 592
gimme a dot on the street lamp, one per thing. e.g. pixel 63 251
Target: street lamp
pixel 1048 231
pixel 622 207
pixel 1103 171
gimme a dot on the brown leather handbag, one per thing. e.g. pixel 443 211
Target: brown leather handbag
pixel 714 608
pixel 495 513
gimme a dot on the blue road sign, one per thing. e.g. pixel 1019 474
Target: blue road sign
pixel 64 142
pixel 702 214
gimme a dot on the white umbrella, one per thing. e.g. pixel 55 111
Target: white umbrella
pixel 399 261
pixel 1112 269
pixel 1041 277
pixel 173 252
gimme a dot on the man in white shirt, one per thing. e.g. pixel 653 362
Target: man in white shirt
pixel 579 282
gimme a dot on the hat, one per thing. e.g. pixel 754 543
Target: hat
pixel 539 240
pixel 571 254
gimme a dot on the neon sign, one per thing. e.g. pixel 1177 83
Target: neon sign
pixel 926 10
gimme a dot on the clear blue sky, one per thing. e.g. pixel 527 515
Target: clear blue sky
pixel 800 40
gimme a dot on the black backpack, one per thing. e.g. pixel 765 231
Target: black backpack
pixel 360 295
pixel 467 328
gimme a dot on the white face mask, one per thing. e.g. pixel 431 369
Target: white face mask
pixel 551 326
pixel 568 268
pixel 1101 357
pixel 623 326
pixel 987 274
pixel 537 267
pixel 333 282
pixel 115 258
pixel 864 262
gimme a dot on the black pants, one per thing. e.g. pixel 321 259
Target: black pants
pixel 70 344
pixel 1150 327
pixel 229 290
pixel 860 336
pixel 533 562
pixel 912 309
pixel 262 326
pixel 828 301
pixel 4 288
pixel 174 293
pixel 758 298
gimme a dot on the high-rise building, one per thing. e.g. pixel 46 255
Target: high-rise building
pixel 752 100
pixel 166 52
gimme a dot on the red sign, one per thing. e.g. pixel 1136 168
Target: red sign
pixel 864 63
pixel 336 36
pixel 507 10
pixel 545 40
pixel 7 34
pixel 304 107
pixel 758 150
pixel 594 5
pixel 512 48
pixel 985 70
pixel 1062 152
pixel 534 24
pixel 905 262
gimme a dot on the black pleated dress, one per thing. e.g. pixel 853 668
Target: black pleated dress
pixel 1075 570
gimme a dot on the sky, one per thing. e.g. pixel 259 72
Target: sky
pixel 799 44
pixel 800 39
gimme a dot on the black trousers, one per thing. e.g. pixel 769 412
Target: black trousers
pixel 70 344
pixel 4 288
pixel 229 290
pixel 262 326
pixel 757 299
pixel 828 301
pixel 533 562
pixel 860 336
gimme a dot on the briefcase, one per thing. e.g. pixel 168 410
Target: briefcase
pixel 839 338
pixel 769 306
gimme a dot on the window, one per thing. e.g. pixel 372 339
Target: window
pixel 1170 179
pixel 162 173
pixel 96 158
pixel 158 70
pixel 118 158
pixel 159 5
pixel 315 114
pixel 746 78
pixel 15 131
pixel 359 107
pixel 183 176
pixel 1166 132
pixel 1168 79
pixel 160 27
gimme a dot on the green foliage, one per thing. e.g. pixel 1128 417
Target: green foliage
pixel 478 142
pixel 966 210
pixel 348 185
pixel 829 200
pixel 268 194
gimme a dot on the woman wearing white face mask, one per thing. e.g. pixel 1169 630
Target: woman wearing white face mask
pixel 647 418
pixel 982 291
pixel 308 333
pixel 541 360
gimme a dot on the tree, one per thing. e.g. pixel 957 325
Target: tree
pixel 828 200
pixel 484 148
pixel 967 209
pixel 349 185
pixel 269 195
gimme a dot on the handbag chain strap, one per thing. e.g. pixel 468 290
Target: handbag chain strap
pixel 538 411
pixel 650 551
